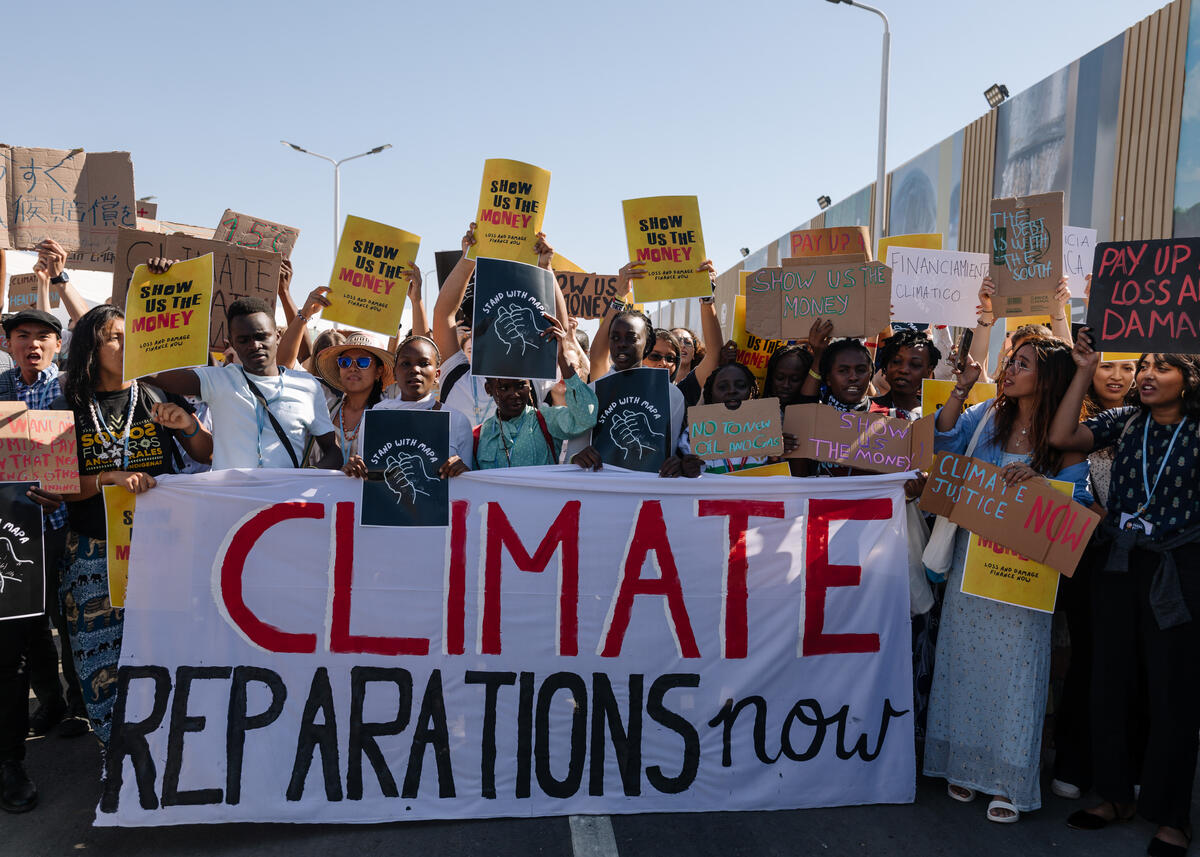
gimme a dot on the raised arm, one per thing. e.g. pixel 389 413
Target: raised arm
pixel 181 382
pixel 52 258
pixel 948 414
pixel 443 329
pixel 598 354
pixel 293 338
pixel 982 338
pixel 818 338
pixel 1066 432
pixel 710 329
pixel 1060 314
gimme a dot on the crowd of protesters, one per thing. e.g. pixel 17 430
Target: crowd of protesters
pixel 1124 433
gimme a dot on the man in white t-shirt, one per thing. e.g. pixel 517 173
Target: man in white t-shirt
pixel 256 406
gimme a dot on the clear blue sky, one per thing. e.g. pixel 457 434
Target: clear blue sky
pixel 757 107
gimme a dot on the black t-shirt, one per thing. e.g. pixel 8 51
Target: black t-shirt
pixel 691 389
pixel 151 447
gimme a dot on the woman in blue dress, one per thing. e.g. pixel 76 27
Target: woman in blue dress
pixel 988 700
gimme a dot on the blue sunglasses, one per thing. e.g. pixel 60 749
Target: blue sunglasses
pixel 363 362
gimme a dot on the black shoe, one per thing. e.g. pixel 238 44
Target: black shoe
pixel 73 726
pixel 45 718
pixel 17 791
pixel 1081 819
pixel 1162 848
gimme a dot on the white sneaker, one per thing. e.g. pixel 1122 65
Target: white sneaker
pixel 1064 789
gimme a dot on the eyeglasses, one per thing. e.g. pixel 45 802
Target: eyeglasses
pixel 655 357
pixel 683 340
pixel 361 362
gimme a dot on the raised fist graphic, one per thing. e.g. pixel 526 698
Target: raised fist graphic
pixel 631 432
pixel 405 474
pixel 516 323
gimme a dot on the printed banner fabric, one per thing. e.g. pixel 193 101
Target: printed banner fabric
pixel 572 643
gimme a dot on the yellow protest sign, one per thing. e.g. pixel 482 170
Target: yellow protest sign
pixel 512 203
pixel 1116 356
pixel 664 232
pixel 1012 322
pixel 367 287
pixel 915 241
pixel 118 525
pixel 999 574
pixel 166 317
pixel 936 393
pixel 753 351
pixel 562 263
pixel 780 468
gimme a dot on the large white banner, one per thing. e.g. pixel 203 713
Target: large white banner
pixel 573 643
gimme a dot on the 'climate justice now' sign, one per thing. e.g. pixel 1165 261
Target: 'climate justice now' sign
pixel 571 643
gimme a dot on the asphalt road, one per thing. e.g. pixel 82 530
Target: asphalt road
pixel 67 774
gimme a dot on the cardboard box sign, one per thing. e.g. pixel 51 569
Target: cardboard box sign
pixel 38 446
pixel 256 233
pixel 782 303
pixel 831 241
pixel 1027 255
pixel 238 272
pixel 858 439
pixel 587 295
pixel 752 429
pixel 78 198
pixel 1146 296
pixel 1031 518
pixel 22 293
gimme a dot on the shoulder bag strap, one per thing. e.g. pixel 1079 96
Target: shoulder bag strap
pixel 262 400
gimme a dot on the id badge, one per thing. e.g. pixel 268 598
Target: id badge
pixel 1131 522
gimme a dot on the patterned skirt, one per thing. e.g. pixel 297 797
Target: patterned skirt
pixel 94 626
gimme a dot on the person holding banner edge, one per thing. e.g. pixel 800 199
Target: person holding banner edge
pixel 1147 599
pixel 992 667
pixel 110 413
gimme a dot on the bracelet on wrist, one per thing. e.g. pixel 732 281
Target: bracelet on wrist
pixel 814 375
pixel 193 432
pixel 982 323
pixel 960 393
pixel 617 305
pixel 302 317
pixel 99 487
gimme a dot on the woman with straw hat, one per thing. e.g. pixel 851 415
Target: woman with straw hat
pixel 361 371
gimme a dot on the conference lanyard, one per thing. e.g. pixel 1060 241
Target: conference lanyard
pixel 260 411
pixel 1150 489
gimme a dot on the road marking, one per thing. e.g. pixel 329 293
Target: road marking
pixel 592 836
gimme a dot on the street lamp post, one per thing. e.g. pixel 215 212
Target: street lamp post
pixel 880 172
pixel 336 170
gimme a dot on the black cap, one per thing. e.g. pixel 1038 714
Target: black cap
pixel 32 315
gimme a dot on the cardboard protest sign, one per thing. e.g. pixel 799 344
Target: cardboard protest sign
pixel 238 272
pixel 367 287
pixel 1030 518
pixel 664 232
pixel 587 295
pixel 779 468
pixel 38 446
pixel 916 240
pixel 1146 296
pixel 753 351
pixel 256 233
pixel 403 450
pixel 998 573
pixel 754 428
pixel 1013 322
pixel 783 303
pixel 831 241
pixel 633 424
pixel 935 286
pixel 167 317
pixel 507 340
pixel 512 203
pixel 936 393
pixel 22 293
pixel 77 198
pixel 858 439
pixel 22 562
pixel 119 504
pixel 1079 247
pixel 1027 258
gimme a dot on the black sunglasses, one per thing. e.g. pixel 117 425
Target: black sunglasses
pixel 662 358
pixel 363 362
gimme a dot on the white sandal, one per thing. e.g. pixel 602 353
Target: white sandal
pixel 961 798
pixel 1002 803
